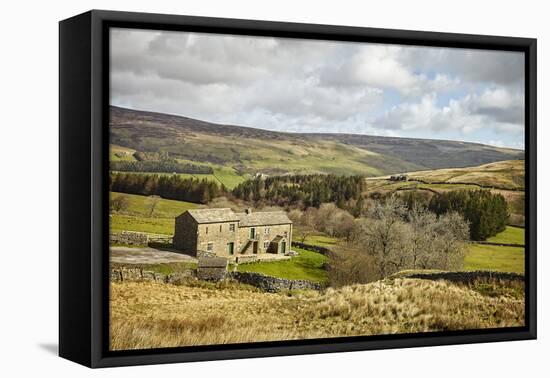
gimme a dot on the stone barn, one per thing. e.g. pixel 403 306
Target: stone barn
pixel 212 268
pixel 222 232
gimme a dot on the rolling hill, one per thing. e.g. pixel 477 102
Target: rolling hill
pixel 249 151
pixel 504 177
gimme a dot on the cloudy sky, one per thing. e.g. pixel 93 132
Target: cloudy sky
pixel 320 86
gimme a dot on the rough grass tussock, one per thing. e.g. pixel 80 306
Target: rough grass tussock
pixel 150 315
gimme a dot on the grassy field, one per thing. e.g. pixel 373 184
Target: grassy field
pixel 322 240
pixel 153 315
pixel 498 258
pixel 228 176
pixel 491 257
pixel 307 266
pixel 119 153
pixel 164 226
pixel 135 218
pixel 512 235
pixel 165 208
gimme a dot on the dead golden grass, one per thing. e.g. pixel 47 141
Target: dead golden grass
pixel 151 315
pixel 507 174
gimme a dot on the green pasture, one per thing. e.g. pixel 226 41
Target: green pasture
pixel 306 266
pixel 497 258
pixel 512 235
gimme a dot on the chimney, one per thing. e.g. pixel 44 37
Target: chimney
pixel 248 211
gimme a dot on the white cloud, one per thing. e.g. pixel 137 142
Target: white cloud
pixel 497 109
pixel 323 86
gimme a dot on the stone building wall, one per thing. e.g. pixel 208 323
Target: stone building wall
pixel 191 237
pixel 185 234
pixel 262 237
pixel 219 235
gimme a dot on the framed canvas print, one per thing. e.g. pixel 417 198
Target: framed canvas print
pixel 234 188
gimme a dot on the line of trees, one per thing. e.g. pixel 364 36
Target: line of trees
pixel 166 186
pixel 302 190
pixel 169 166
pixel 486 212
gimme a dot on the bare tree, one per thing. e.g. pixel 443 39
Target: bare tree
pixel 295 216
pixel 151 204
pixel 348 265
pixel 232 203
pixel 386 237
pixel 119 203
pixel 322 221
pixel 452 233
pixel 395 238
pixel 422 225
pixel 302 224
pixel 343 224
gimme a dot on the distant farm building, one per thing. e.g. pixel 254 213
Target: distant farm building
pixel 399 178
pixel 222 232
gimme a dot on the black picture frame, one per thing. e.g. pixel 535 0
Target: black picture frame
pixel 83 153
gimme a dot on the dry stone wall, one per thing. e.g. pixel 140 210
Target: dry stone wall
pixel 273 284
pixel 129 237
pixel 314 248
pixel 261 281
pixel 466 277
pixel 245 259
pixel 137 275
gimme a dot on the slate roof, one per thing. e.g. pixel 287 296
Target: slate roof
pixel 212 262
pixel 277 239
pixel 261 218
pixel 213 215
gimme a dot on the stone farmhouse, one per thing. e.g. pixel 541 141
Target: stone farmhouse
pixel 222 232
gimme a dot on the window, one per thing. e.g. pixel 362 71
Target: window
pixel 220 228
pixel 266 231
pixel 210 247
pixel 230 248
pixel 206 232
pixel 266 245
pixel 232 227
